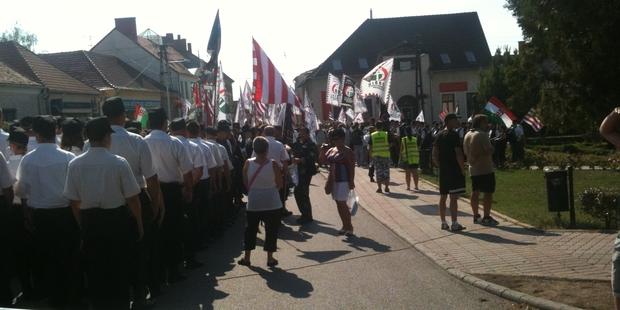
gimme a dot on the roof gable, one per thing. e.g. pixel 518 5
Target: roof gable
pixel 35 68
pixel 10 76
pixel 451 34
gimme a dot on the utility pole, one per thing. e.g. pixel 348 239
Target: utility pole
pixel 164 76
pixel 419 91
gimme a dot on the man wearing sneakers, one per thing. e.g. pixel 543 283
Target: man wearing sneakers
pixel 448 156
pixel 479 152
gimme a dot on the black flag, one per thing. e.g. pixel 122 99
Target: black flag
pixel 215 42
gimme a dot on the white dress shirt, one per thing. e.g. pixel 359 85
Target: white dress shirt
pixel 32 144
pixel 194 151
pixel 41 177
pixel 6 180
pixel 210 162
pixel 215 150
pixel 137 153
pixel 276 151
pixel 222 152
pixel 4 144
pixel 170 158
pixel 100 179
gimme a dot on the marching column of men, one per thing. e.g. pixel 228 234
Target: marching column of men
pixel 119 221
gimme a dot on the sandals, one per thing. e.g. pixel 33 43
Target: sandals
pixel 272 263
pixel 244 262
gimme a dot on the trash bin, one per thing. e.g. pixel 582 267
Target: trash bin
pixel 557 190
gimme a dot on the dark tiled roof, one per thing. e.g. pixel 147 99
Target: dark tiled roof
pixel 173 55
pixel 451 34
pixel 12 77
pixel 101 71
pixel 36 69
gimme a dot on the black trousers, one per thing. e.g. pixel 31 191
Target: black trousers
pixel 172 226
pixel 145 259
pixel 108 236
pixel 302 196
pixel 192 231
pixel 6 261
pixel 204 191
pixel 271 219
pixel 56 240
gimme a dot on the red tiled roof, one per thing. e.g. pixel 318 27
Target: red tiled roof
pixel 12 77
pixel 36 69
pixel 101 71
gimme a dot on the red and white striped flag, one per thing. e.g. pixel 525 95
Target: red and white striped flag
pixel 532 119
pixel 269 86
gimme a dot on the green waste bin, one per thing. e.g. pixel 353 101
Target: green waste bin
pixel 557 190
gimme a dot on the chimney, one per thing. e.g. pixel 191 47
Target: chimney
pixel 168 38
pixel 178 37
pixel 127 26
pixel 189 47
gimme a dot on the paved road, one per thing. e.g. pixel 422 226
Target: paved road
pixel 320 270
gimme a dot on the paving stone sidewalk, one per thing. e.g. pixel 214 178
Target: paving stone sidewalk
pixel 508 249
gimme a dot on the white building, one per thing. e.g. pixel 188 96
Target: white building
pixel 453 51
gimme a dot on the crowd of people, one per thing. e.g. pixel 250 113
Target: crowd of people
pixel 108 213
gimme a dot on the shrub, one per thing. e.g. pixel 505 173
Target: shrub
pixel 601 203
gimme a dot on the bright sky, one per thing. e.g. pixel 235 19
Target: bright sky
pixel 297 35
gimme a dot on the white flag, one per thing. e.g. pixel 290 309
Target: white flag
pixel 342 117
pixel 359 118
pixel 393 109
pixel 420 117
pixel 377 81
pixel 333 90
pixel 222 104
pixel 350 113
pixel 358 104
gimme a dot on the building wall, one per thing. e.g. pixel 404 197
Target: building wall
pixel 470 77
pixel 76 105
pixel 25 101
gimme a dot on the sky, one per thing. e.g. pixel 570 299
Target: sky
pixel 296 35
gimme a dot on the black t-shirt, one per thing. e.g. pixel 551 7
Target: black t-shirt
pixel 446 142
pixel 356 137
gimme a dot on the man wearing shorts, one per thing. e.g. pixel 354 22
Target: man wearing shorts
pixel 479 152
pixel 448 156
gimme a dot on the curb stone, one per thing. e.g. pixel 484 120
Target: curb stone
pixel 489 287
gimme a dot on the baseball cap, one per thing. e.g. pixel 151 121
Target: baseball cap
pixel 450 117
pixel 177 124
pixel 18 135
pixel 113 107
pixel 98 128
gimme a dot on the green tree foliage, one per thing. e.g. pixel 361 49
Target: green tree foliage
pixel 572 46
pixel 24 38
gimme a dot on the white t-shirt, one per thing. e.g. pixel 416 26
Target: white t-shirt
pixel 6 180
pixel 276 151
pixel 170 157
pixel 4 144
pixel 210 162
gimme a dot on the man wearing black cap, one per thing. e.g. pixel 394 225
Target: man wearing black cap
pixel 448 156
pixel 40 184
pixel 174 167
pixel 104 197
pixel 178 129
pixel 134 149
pixel 18 145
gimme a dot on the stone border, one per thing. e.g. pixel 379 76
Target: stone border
pixel 489 287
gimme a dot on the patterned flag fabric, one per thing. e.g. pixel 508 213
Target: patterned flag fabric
pixel 222 104
pixel 358 104
pixel 333 90
pixel 311 120
pixel 347 92
pixel 532 119
pixel 377 81
pixel 269 85
pixel 141 115
pixel 498 112
pixel 393 109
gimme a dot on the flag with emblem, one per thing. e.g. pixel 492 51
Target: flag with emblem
pixel 141 115
pixel 377 82
pixel 499 113
pixel 333 90
pixel 347 90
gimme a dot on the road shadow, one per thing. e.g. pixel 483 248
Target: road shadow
pixel 525 231
pixel 493 238
pixel 288 233
pixel 285 282
pixel 363 243
pixel 317 227
pixel 401 195
pixel 433 210
pixel 323 256
pixel 427 192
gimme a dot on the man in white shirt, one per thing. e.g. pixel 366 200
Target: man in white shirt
pixel 40 184
pixel 174 168
pixel 204 187
pixel 4 144
pixel 6 198
pixel 105 199
pixel 178 129
pixel 137 153
pixel 225 181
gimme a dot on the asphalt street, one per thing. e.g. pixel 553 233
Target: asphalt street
pixel 320 270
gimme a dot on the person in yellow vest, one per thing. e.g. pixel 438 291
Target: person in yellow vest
pixel 379 145
pixel 410 158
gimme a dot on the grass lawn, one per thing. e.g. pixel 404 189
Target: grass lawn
pixel 522 195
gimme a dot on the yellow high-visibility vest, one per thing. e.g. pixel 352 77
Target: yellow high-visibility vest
pixel 409 152
pixel 380 145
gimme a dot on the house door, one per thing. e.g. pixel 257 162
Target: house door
pixel 408 106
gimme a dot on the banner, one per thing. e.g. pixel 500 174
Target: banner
pixel 359 106
pixel 420 117
pixel 498 112
pixel 222 103
pixel 377 81
pixel 393 109
pixel 333 90
pixel 347 90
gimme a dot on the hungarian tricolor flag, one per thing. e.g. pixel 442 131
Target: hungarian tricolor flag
pixel 141 115
pixel 498 112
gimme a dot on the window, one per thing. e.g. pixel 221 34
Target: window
pixel 445 58
pixel 447 103
pixel 470 56
pixel 363 63
pixel 337 65
pixel 405 64
pixel 9 114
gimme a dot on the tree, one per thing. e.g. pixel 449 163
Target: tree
pixel 17 34
pixel 573 42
